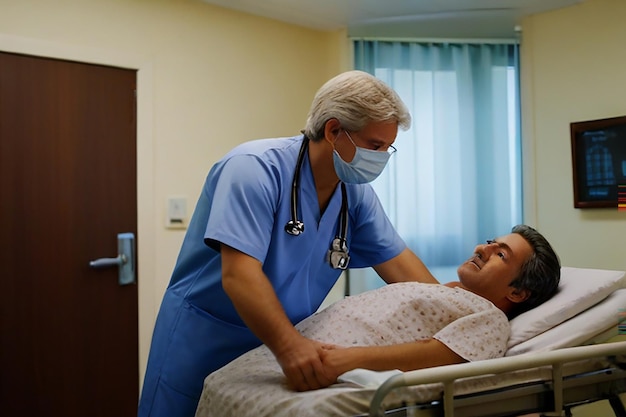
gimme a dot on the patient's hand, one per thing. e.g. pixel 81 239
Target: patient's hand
pixel 329 346
pixel 338 360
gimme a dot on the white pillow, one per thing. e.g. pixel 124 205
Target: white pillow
pixel 600 319
pixel 579 289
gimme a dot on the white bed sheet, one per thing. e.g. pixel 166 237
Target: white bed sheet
pixel 263 394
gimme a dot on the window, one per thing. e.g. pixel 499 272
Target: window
pixel 456 178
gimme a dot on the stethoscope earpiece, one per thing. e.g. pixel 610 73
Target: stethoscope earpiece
pixel 338 254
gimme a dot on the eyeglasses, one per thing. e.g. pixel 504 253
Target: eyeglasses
pixel 390 150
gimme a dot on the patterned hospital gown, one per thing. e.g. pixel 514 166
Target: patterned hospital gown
pixel 468 324
pixel 405 312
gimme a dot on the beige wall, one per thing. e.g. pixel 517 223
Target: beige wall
pixel 208 78
pixel 573 69
pixel 573 63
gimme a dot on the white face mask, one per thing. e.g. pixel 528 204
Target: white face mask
pixel 365 167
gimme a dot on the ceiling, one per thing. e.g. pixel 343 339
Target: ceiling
pixel 402 18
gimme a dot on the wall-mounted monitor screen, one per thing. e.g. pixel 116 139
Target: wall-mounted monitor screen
pixel 598 161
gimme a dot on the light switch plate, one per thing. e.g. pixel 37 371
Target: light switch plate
pixel 176 213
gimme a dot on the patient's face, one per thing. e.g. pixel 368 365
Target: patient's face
pixel 494 265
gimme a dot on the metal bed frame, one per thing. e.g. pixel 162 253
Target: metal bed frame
pixel 553 397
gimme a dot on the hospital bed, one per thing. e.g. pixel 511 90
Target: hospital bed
pixel 557 358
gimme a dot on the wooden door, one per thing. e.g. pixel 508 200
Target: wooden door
pixel 68 333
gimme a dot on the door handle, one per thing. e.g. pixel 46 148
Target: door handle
pixel 125 260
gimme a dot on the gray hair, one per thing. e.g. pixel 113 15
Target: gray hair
pixel 355 99
pixel 540 274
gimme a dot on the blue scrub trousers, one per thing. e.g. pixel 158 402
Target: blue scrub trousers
pixel 188 344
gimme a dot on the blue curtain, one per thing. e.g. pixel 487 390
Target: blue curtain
pixel 455 180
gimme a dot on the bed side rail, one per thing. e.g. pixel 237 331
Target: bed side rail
pixel 449 373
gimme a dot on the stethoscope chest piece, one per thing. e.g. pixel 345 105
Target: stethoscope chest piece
pixel 294 227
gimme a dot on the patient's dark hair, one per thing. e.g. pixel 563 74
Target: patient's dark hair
pixel 540 274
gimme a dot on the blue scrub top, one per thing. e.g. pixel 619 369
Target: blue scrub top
pixel 245 204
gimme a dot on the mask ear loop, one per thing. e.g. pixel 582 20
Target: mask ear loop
pixel 351 141
pixel 294 226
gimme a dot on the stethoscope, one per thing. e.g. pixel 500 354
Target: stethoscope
pixel 338 253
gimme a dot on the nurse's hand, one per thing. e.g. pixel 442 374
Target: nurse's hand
pixel 301 362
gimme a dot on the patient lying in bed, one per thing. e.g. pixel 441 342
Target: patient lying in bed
pixel 401 313
pixel 411 325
